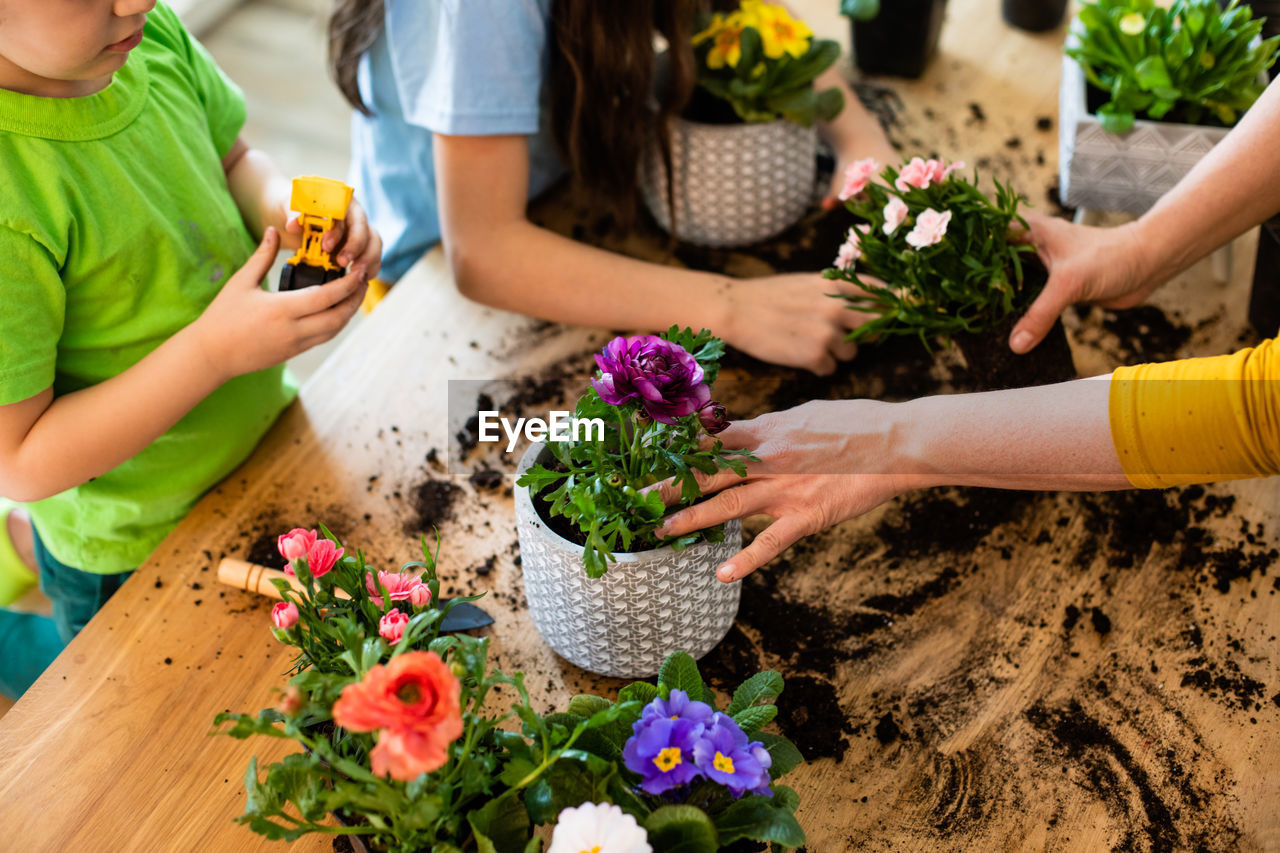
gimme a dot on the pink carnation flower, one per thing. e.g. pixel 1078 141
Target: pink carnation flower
pixel 391 626
pixel 298 544
pixel 420 595
pixel 284 615
pixel 894 214
pixel 939 171
pixel 400 585
pixel 857 176
pixel 851 251
pixel 931 227
pixel 295 544
pixel 917 174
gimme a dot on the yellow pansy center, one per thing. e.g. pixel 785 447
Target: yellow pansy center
pixel 667 759
pixel 722 762
pixel 595 849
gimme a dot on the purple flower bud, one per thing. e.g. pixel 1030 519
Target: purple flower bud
pixel 714 417
pixel 663 376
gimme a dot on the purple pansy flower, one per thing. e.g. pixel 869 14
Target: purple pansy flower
pixel 724 755
pixel 663 376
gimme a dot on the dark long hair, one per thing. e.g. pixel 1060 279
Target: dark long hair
pixel 600 83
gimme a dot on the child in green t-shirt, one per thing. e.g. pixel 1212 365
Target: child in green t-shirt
pixel 140 358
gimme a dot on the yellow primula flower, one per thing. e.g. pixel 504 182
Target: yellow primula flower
pixel 779 32
pixel 726 45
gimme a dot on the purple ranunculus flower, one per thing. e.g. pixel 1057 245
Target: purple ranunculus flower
pixel 724 756
pixel 714 417
pixel 663 376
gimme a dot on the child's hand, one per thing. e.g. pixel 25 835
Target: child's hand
pixel 353 240
pixel 792 319
pixel 246 328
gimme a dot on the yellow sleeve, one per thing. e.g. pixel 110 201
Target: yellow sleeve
pixel 1198 420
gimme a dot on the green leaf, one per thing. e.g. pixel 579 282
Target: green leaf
pixel 680 672
pixel 761 687
pixel 1152 74
pixel 784 755
pixel 503 822
pixel 638 691
pixel 576 778
pixel 584 705
pixel 681 829
pixel 751 720
pixel 759 819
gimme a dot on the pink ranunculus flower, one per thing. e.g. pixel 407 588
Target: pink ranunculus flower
pixel 939 171
pixel 295 544
pixel 391 626
pixel 916 173
pixel 399 584
pixel 851 251
pixel 284 615
pixel 894 214
pixel 931 227
pixel 291 700
pixel 857 176
pixel 420 595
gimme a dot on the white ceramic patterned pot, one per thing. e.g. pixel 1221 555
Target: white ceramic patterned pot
pixel 735 184
pixel 648 605
pixel 1126 172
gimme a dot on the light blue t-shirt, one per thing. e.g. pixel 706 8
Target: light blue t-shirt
pixel 456 67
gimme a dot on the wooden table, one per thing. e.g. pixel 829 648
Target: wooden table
pixel 967 670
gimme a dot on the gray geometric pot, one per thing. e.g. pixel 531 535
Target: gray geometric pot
pixel 735 184
pixel 648 605
pixel 1126 172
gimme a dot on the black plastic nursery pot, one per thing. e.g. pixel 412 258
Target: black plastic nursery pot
pixel 899 40
pixel 1264 299
pixel 995 367
pixel 1035 16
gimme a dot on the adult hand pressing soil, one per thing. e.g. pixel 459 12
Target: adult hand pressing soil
pixel 827 461
pixel 1228 192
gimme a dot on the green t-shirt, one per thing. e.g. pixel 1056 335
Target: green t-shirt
pixel 116 231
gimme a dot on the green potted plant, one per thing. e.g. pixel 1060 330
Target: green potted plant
pixel 933 259
pixel 1147 90
pixel 743 154
pixel 604 591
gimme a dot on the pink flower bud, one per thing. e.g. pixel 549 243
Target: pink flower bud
pixel 290 701
pixel 284 615
pixel 295 544
pixel 420 595
pixel 391 626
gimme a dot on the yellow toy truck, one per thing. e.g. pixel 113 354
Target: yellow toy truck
pixel 320 202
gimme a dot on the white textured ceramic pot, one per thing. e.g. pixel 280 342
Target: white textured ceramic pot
pixel 735 184
pixel 648 605
pixel 1127 172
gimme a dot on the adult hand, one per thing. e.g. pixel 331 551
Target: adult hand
pixel 246 328
pixel 820 463
pixel 349 241
pixel 793 319
pixel 1104 266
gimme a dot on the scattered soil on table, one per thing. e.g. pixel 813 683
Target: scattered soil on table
pixel 432 504
pixel 1146 333
pixel 810 716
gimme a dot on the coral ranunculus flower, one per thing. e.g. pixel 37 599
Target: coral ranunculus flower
pixel 413 702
